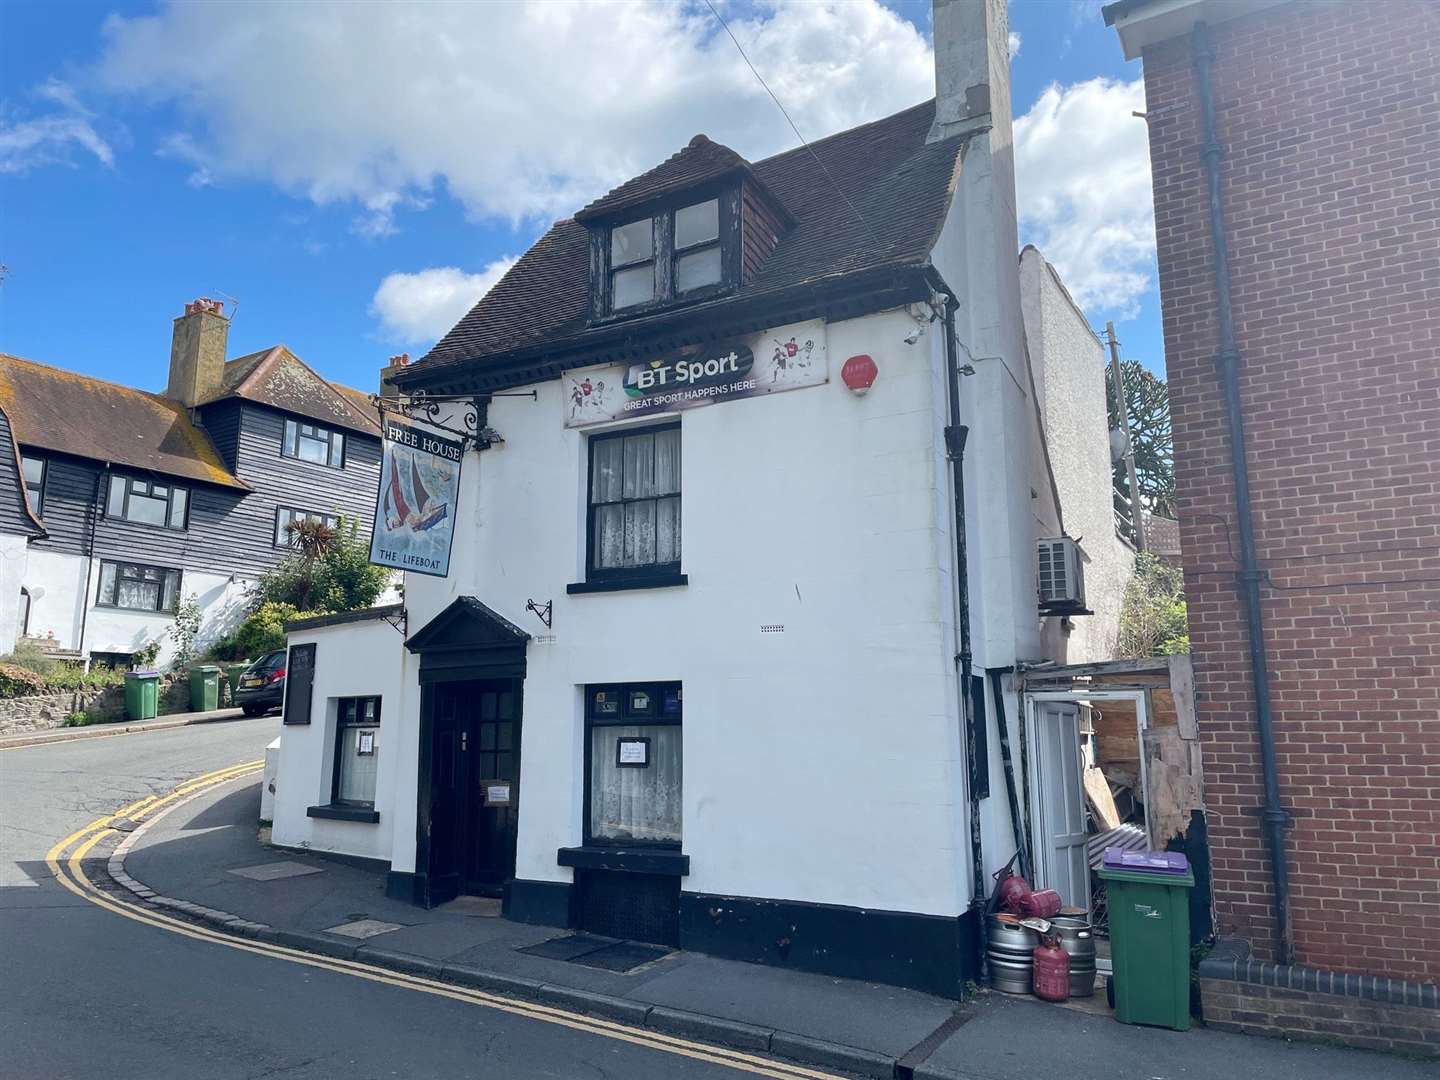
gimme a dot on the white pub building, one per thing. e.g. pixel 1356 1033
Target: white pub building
pixel 746 481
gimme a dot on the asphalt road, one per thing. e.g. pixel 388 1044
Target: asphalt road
pixel 86 993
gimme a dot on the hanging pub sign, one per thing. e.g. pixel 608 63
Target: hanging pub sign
pixel 415 508
pixel 783 359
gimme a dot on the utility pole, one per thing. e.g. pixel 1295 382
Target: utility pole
pixel 1137 513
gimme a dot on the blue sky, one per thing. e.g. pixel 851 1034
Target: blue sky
pixel 178 152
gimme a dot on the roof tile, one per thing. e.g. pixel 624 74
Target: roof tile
pixel 865 199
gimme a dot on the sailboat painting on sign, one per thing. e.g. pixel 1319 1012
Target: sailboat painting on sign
pixel 414 514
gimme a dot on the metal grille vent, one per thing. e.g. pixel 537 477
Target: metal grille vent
pixel 1060 578
pixel 772 628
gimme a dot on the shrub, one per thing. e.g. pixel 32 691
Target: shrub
pixel 29 655
pixel 83 719
pixel 184 630
pixel 16 681
pixel 330 572
pixel 75 677
pixel 264 628
pixel 1153 618
pixel 143 658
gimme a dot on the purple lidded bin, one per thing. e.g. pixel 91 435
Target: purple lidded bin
pixel 1146 862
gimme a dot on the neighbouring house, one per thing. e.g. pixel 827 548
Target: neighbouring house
pixel 1294 152
pixel 128 501
pixel 755 511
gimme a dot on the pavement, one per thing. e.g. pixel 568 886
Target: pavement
pixel 86 991
pixel 122 727
pixel 192 856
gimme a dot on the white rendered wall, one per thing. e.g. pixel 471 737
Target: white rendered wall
pixel 1070 375
pixel 14 557
pixel 57 589
pixel 59 581
pixel 353 659
pixel 821 764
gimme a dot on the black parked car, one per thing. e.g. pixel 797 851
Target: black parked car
pixel 262 685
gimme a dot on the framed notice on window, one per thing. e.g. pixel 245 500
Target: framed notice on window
pixel 497 792
pixel 632 753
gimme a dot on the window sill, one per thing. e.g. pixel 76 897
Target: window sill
pixel 658 581
pixel 344 813
pixel 635 859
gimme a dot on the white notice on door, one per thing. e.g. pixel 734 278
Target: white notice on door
pixel 497 794
pixel 634 751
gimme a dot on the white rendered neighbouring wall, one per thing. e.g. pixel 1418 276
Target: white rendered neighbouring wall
pixel 821 764
pixel 57 584
pixel 1070 376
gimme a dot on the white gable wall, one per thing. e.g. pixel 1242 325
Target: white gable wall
pixel 821 763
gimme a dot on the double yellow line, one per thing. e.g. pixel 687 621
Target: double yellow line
pixel 70 872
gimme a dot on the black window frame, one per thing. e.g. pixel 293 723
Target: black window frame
pixel 664 253
pixel 341 725
pixel 652 573
pixel 37 493
pixel 624 717
pixel 290 447
pixel 150 484
pixel 332 520
pixel 122 565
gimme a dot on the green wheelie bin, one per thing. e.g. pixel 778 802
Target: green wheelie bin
pixel 142 695
pixel 204 687
pixel 1148 894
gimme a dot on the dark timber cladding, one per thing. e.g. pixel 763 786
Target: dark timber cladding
pixel 17 516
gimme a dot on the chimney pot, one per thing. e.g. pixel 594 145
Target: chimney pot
pixel 400 360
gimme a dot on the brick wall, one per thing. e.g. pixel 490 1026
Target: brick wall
pixel 1330 120
pixel 1284 1013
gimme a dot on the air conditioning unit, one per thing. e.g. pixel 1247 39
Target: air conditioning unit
pixel 1062 577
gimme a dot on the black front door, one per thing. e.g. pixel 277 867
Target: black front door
pixel 475 774
pixel 494 774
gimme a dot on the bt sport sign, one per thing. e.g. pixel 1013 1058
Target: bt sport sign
pixel 785 359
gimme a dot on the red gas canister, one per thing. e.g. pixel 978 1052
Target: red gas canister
pixel 1042 904
pixel 1052 971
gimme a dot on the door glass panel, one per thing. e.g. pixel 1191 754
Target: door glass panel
pixel 487 736
pixel 487 706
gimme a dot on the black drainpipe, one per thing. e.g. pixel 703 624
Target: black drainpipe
pixel 955 435
pixel 1275 817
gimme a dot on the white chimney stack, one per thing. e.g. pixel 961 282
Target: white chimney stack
pixel 972 68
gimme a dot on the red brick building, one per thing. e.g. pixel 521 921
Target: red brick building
pixel 1326 144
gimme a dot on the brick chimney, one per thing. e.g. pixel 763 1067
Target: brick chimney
pixel 398 363
pixel 197 352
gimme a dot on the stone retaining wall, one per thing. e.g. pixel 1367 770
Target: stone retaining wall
pixel 42 712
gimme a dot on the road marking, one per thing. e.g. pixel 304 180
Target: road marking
pixel 79 883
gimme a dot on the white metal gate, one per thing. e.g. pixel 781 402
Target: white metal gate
pixel 1059 799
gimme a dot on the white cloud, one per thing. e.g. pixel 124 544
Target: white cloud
pixel 520 111
pixel 28 142
pixel 1013 44
pixel 422 307
pixel 1082 164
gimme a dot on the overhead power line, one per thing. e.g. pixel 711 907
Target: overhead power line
pixel 785 113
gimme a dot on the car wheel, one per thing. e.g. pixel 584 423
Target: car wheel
pixel 254 710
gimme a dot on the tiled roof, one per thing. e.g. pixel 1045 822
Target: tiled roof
pixel 278 378
pixel 870 198
pixel 701 161
pixel 75 414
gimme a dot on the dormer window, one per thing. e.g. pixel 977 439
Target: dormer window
pixel 674 255
pixel 632 264
pixel 697 246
